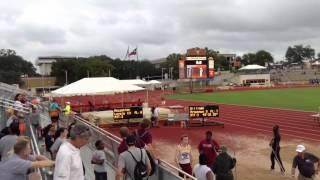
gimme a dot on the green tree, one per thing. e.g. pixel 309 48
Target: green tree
pixel 248 58
pixel 318 55
pixel 13 66
pixel 298 53
pixel 263 57
pixel 172 62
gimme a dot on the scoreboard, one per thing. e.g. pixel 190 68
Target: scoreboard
pixel 203 111
pixel 128 113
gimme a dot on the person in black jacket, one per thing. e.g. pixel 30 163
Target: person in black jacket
pixel 275 146
pixel 223 165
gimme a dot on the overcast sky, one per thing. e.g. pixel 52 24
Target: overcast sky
pixel 91 27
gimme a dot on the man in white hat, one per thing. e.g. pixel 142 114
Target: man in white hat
pixel 306 164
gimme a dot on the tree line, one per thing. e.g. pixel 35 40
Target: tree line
pixel 13 66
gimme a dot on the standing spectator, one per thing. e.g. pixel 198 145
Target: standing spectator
pixel 209 147
pixel 8 141
pixel 201 171
pixel 223 165
pixel 124 132
pixel 143 136
pixel 183 155
pixel 144 140
pixel 99 161
pixel 35 119
pixel 18 101
pixel 67 108
pixel 18 165
pixel 68 161
pixel 306 164
pixel 155 116
pixel 54 110
pixel 131 160
pixel 275 145
pixel 60 137
pixel 49 137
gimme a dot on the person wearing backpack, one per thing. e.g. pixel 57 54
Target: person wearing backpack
pixel 134 163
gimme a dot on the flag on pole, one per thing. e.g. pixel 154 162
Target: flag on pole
pixel 133 53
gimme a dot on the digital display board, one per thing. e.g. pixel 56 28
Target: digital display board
pixel 203 111
pixel 128 113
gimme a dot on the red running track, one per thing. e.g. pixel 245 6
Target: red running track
pixel 245 119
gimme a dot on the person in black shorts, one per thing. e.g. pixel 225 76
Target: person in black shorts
pixel 306 164
pixel 275 152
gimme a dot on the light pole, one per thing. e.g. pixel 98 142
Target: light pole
pixel 88 74
pixel 66 74
pixel 162 73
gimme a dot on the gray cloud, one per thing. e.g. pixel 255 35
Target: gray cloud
pixel 90 27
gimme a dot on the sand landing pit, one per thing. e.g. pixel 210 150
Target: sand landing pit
pixel 252 153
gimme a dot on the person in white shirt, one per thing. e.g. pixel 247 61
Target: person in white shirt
pixel 99 161
pixel 155 112
pixel 201 171
pixel 68 161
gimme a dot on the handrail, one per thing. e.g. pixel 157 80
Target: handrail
pixel 117 140
pixel 114 137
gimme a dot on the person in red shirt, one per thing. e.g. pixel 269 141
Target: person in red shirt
pixel 209 147
pixel 124 132
pixel 143 136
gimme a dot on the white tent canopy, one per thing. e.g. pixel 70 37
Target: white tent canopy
pixel 154 82
pixel 95 86
pixel 134 81
pixel 252 67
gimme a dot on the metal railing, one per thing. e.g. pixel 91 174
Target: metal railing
pixel 164 171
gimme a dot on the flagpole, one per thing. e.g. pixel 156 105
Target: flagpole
pixel 137 53
pixel 125 58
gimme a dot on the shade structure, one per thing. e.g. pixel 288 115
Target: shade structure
pixel 252 67
pixel 316 63
pixel 95 86
pixel 137 82
pixel 154 82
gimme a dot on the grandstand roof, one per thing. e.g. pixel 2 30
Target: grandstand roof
pixel 252 67
pixel 95 86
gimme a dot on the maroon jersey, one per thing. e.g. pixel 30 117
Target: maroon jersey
pixel 210 150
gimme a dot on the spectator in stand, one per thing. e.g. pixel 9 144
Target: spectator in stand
pixel 201 171
pixel 143 136
pixel 129 159
pixel 275 145
pixel 99 161
pixel 68 161
pixel 209 147
pixel 18 101
pixel 144 140
pixel 49 137
pixel 18 165
pixel 155 116
pixel 35 119
pixel 13 117
pixel 54 110
pixel 60 137
pixel 183 155
pixel 124 132
pixel 67 109
pixel 306 164
pixel 7 142
pixel 223 165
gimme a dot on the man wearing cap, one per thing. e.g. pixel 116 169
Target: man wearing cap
pixel 306 164
pixel 127 163
pixel 68 161
pixel 223 165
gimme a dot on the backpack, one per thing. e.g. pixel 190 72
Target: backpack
pixel 140 144
pixel 140 170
